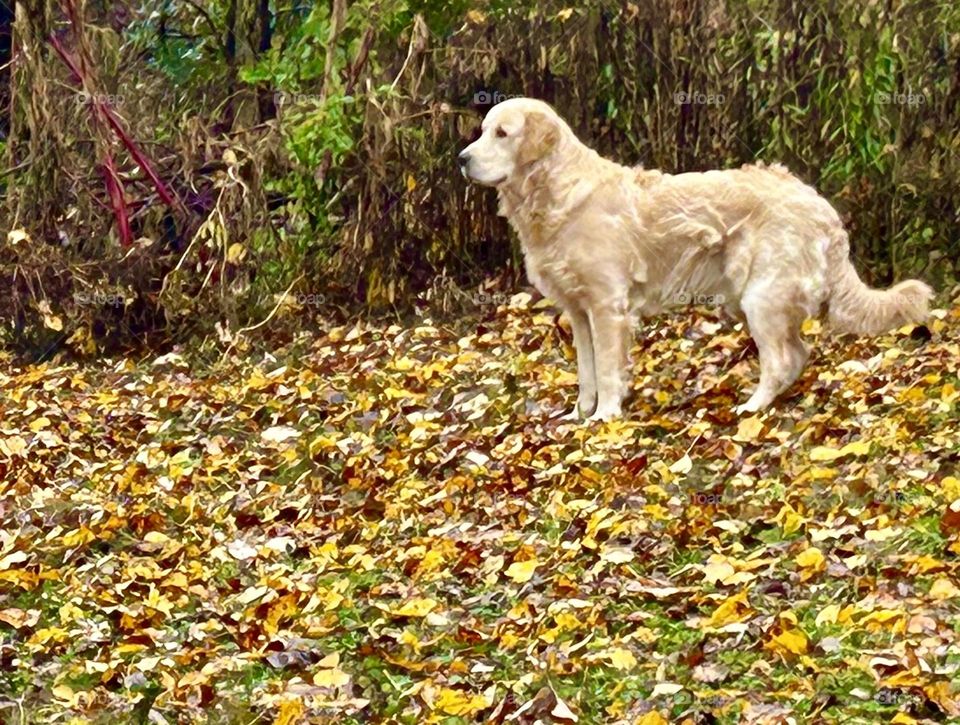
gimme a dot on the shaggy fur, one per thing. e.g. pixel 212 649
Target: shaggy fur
pixel 610 243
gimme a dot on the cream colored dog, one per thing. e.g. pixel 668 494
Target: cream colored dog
pixel 609 243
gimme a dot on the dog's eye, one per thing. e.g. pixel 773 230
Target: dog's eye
pixel 501 133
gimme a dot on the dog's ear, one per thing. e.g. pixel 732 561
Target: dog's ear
pixel 540 135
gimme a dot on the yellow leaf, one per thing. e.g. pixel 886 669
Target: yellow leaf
pixel 651 718
pixel 416 608
pixel 289 712
pixel 857 448
pixel 621 659
pixel 332 600
pixel 331 678
pixel 80 536
pixel 148 664
pixel 825 453
pixel 665 688
pixel 40 423
pixel 951 488
pixel 50 634
pixel 748 429
pixel 458 702
pixel 811 558
pixel 13 446
pixel 15 236
pixel 791 641
pixel 828 615
pixel 567 621
pixel 927 563
pixel 883 616
pixel 193 678
pixel 432 561
pixel 941 693
pixel 901 718
pixel 155 537
pixel 125 649
pixel 733 609
pixel 236 252
pixel 682 466
pixel 63 692
pixel 616 555
pixel 522 571
pixel 53 322
pixel 392 393
pixel 944 589
pixel 881 534
pixel 789 519
pixel 949 393
pixel 404 364
pixel 718 569
pixel 411 182
pixel 330 661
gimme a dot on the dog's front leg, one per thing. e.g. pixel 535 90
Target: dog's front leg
pixel 586 370
pixel 609 326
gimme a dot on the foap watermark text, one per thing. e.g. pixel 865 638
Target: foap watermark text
pixel 113 299
pixel 107 99
pixel 899 98
pixel 698 298
pixel 491 98
pixel 697 98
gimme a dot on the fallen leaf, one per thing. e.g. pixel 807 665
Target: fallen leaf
pixel 665 688
pixel 944 589
pixel 522 571
pixel 621 659
pixel 416 608
pixel 334 677
pixel 279 434
pixel 748 429
pixel 561 711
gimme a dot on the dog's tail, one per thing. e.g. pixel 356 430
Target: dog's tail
pixel 858 309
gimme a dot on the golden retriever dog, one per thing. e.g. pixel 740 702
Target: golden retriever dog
pixel 610 244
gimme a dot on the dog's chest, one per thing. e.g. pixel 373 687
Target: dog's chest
pixel 549 271
pixel 554 277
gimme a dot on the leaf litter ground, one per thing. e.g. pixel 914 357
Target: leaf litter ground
pixel 394 524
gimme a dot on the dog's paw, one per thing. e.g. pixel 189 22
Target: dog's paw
pixel 744 409
pixel 574 416
pixel 750 407
pixel 603 414
pixel 585 406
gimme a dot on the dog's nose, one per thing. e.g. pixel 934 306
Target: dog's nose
pixel 463 158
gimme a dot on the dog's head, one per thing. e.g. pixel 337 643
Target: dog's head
pixel 515 134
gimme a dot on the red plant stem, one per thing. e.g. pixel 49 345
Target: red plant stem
pixel 104 114
pixel 117 200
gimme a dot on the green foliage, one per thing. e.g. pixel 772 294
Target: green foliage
pixel 345 137
pixel 319 126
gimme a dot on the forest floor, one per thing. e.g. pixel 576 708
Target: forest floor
pixel 393 524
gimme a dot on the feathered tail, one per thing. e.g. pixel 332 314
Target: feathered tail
pixel 858 309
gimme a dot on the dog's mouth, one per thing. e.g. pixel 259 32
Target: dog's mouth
pixel 482 182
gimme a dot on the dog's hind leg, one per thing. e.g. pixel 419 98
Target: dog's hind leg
pixel 775 326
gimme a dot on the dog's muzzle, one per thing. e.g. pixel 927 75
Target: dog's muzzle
pixel 463 159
